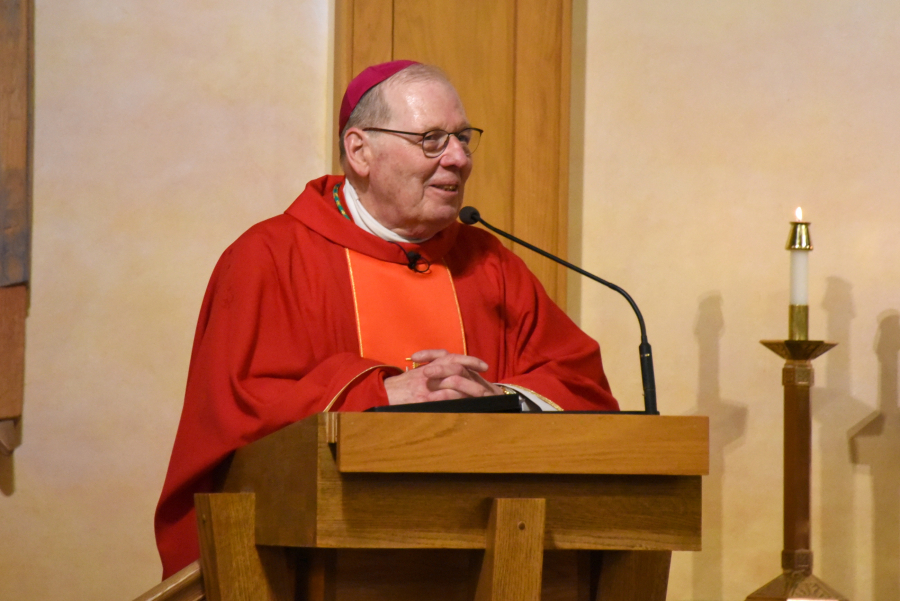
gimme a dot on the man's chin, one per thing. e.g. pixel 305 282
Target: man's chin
pixel 435 224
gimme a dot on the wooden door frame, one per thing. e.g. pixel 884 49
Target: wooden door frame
pixel 16 135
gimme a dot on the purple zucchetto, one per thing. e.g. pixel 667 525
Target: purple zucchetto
pixel 365 81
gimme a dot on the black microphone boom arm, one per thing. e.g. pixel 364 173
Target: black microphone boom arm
pixel 471 216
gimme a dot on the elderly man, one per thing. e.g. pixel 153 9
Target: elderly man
pixel 368 292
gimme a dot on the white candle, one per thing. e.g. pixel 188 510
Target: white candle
pixel 799 272
pixel 799 277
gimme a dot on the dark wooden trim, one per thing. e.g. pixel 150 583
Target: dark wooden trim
pixel 13 307
pixel 16 133
pixel 16 60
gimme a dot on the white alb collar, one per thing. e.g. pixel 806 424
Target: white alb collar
pixel 364 219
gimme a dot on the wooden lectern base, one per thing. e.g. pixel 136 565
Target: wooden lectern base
pixel 380 507
pixel 513 567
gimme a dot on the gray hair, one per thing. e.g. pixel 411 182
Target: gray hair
pixel 372 110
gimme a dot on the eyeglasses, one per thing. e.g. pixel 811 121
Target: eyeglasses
pixel 435 142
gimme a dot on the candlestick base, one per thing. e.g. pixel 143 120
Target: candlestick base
pixel 795 585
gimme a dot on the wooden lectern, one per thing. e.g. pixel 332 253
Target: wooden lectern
pixel 369 506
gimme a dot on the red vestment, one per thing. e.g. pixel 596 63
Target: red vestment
pixel 276 341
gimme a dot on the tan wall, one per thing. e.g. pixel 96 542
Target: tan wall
pixel 163 130
pixel 706 124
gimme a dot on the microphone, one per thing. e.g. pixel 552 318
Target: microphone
pixel 471 216
pixel 415 261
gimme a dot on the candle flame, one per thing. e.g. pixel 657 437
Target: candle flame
pixel 799 214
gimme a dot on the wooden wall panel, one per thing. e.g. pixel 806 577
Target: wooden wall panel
pixel 474 43
pixel 343 70
pixel 372 33
pixel 541 150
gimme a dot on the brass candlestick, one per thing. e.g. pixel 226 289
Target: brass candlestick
pixel 797 580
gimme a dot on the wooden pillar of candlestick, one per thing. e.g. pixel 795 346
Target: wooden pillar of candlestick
pixel 797 579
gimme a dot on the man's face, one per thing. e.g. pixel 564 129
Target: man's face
pixel 411 194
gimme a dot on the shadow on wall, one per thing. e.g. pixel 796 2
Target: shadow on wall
pixel 833 407
pixel 727 424
pixel 875 442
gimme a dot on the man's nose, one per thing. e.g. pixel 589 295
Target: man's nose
pixel 455 154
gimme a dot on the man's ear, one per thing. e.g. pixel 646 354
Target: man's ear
pixel 357 151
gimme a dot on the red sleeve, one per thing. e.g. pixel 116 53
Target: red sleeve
pixel 552 356
pixel 261 361
pixel 539 347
